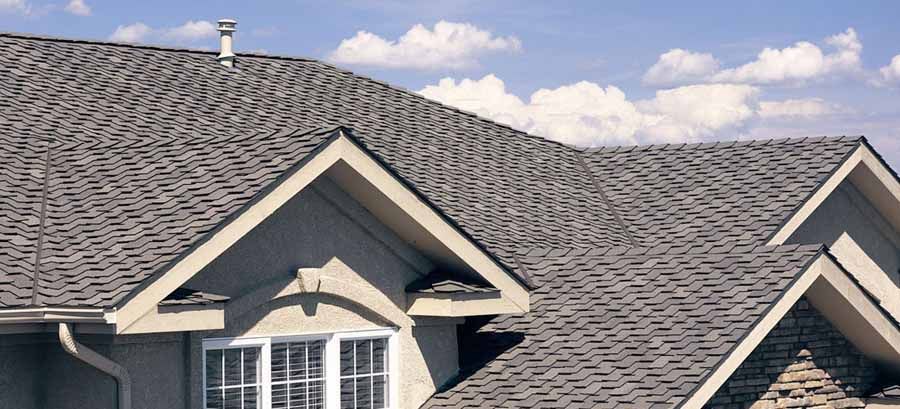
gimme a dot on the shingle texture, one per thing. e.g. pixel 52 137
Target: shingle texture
pixel 505 189
pixel 726 192
pixel 118 211
pixel 621 328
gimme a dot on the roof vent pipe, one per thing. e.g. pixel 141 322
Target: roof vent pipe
pixel 226 31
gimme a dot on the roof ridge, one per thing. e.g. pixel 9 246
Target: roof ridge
pixel 668 249
pixel 719 144
pixel 38 37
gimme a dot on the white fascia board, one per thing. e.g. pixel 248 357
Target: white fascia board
pixel 866 171
pixel 457 305
pixel 344 150
pixel 841 300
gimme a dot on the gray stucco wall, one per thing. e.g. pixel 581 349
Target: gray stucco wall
pixel 38 373
pixel 861 239
pixel 324 228
pixel 21 363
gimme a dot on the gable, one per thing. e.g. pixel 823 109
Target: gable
pixel 803 362
pixel 343 152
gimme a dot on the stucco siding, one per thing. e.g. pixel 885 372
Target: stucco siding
pixel 861 239
pixel 368 267
pixel 40 374
pixel 20 373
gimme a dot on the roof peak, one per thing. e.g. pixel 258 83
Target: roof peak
pixel 721 144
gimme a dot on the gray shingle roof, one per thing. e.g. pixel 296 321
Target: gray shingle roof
pixel 613 328
pixel 506 189
pixel 118 211
pixel 725 192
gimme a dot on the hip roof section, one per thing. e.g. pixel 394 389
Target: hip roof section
pixel 622 327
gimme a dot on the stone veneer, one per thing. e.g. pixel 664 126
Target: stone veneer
pixel 803 363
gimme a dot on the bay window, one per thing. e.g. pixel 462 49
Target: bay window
pixel 344 370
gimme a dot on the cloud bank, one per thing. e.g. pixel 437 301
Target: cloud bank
pixel 447 46
pixel 191 31
pixel 797 64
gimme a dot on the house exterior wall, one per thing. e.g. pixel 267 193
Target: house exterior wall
pixel 35 372
pixel 861 239
pixel 324 228
pixel 804 362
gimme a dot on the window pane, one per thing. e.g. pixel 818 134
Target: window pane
pixel 279 396
pixel 251 365
pixel 297 393
pixel 213 368
pixel 279 362
pixel 347 395
pixel 316 394
pixel 346 358
pixel 379 355
pixel 233 367
pixel 316 359
pixel 364 392
pixel 251 395
pixel 233 398
pixel 297 361
pixel 363 357
pixel 379 391
pixel 214 398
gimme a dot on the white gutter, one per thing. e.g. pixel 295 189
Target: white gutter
pixel 55 314
pixel 104 364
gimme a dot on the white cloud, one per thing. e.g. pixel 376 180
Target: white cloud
pixel 78 8
pixel 14 6
pixel 587 114
pixel 890 74
pixel 693 112
pixel 804 61
pixel 132 33
pixel 447 45
pixel 679 66
pixel 191 31
pixel 797 108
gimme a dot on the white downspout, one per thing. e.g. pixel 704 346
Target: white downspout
pixel 104 364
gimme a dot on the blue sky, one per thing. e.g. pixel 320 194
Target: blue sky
pixel 588 73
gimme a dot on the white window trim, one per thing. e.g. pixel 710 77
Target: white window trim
pixel 332 361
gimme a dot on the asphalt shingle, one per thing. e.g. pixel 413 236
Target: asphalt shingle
pixel 609 330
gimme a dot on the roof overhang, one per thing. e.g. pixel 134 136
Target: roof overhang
pixel 869 174
pixel 840 299
pixel 376 188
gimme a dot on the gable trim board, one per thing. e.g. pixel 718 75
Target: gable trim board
pixel 871 176
pixel 339 148
pixel 831 290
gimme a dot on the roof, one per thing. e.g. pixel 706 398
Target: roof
pixel 720 192
pixel 618 327
pixel 122 159
pixel 108 215
pixel 506 189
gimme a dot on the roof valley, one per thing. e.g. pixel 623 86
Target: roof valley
pixel 41 227
pixel 606 200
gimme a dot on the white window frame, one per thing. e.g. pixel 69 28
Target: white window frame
pixel 332 361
